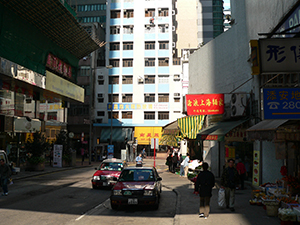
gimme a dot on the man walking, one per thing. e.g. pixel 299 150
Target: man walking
pixel 242 172
pixel 184 167
pixel 204 184
pixel 229 180
pixel 139 160
pixel 5 174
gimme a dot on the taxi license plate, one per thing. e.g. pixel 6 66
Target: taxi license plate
pixel 105 184
pixel 132 201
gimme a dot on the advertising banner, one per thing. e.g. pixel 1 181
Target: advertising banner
pixel 57 155
pixel 110 151
pixel 205 104
pixel 281 103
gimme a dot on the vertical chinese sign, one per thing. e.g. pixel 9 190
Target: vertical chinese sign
pixel 205 104
pixel 255 177
pixel 281 103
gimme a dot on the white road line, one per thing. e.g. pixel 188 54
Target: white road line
pixel 90 212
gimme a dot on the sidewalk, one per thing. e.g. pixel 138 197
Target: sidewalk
pixel 187 208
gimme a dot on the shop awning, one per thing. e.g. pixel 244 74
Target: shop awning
pixel 217 132
pixel 144 134
pixel 190 125
pixel 169 140
pixel 118 134
pixel 264 130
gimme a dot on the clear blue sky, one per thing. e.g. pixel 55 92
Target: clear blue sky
pixel 226 4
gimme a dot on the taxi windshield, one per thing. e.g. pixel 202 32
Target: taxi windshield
pixel 111 166
pixel 137 175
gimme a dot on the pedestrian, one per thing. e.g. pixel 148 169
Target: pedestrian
pixel 139 160
pixel 180 160
pixel 242 172
pixel 174 162
pixel 169 162
pixel 5 174
pixel 82 155
pixel 184 166
pixel 229 180
pixel 204 184
pixel 144 153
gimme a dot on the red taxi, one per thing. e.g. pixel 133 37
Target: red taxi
pixel 106 172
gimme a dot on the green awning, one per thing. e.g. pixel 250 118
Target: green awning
pixel 169 140
pixel 190 125
pixel 217 132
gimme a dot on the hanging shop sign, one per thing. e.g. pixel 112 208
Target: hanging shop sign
pixel 205 104
pixel 255 66
pixel 279 55
pixel 281 103
pixel 59 66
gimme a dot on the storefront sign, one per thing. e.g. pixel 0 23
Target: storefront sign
pixel 280 55
pixel 205 104
pixel 255 178
pixel 56 64
pixel 229 152
pixel 281 103
pixel 255 57
pixel 138 106
pixel 144 134
pixel 209 137
pixel 63 87
pixel 290 22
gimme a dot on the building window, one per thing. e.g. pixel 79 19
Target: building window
pixel 163 12
pixel 176 61
pixel 92 7
pixel 114 46
pixel 163 45
pixel 128 29
pixel 85 71
pixel 115 30
pixel 149 97
pixel 115 14
pixel 128 46
pixel 126 97
pixel 100 82
pixel 149 45
pixel 127 62
pixel 127 79
pixel 115 98
pixel 176 99
pixel 114 62
pixel 92 19
pixel 128 13
pixel 127 115
pixel 149 115
pixel 150 62
pixel 163 98
pixel 114 114
pixel 163 79
pixel 113 79
pixel 149 29
pixel 163 115
pixel 149 79
pixel 164 28
pixel 163 62
pixel 100 113
pixel 149 12
pixel 176 77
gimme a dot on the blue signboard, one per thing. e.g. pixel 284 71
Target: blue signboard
pixel 281 103
pixel 110 151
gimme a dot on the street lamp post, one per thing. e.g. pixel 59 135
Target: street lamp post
pixel 111 107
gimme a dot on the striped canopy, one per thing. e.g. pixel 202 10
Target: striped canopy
pixel 190 125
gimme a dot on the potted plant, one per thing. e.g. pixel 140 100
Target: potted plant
pixel 35 147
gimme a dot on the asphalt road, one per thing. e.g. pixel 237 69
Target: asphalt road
pixel 66 197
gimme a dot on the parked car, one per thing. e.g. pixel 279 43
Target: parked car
pixel 137 186
pixel 108 169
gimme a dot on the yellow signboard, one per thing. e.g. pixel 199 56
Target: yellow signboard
pixel 63 87
pixel 144 134
pixel 255 57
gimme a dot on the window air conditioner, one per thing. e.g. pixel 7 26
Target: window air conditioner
pixel 173 44
pixel 147 95
pixel 123 95
pixel 238 104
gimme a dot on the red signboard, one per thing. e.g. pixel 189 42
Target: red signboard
pixel 205 104
pixel 59 66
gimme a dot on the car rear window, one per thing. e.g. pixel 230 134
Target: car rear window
pixel 111 166
pixel 137 175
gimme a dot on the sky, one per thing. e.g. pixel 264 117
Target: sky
pixel 226 4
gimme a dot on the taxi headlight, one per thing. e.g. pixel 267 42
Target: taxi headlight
pixel 96 178
pixel 117 192
pixel 148 192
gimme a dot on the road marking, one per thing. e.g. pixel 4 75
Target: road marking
pixel 91 211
